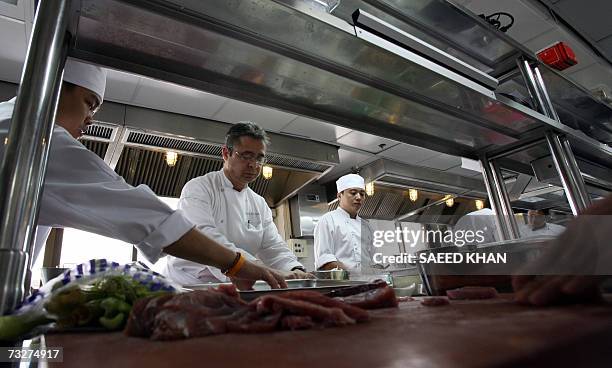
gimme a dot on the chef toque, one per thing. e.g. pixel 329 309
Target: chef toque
pixel 86 75
pixel 350 181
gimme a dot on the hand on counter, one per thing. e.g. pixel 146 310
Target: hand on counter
pixel 297 274
pixel 573 267
pixel 250 272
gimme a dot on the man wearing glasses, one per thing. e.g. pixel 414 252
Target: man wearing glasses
pixel 222 206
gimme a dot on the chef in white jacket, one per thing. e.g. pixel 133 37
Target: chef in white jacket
pixel 81 191
pixel 222 206
pixel 340 235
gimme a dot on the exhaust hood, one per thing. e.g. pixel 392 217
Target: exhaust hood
pixel 134 140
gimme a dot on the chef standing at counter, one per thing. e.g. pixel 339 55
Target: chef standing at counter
pixel 222 206
pixel 81 191
pixel 339 235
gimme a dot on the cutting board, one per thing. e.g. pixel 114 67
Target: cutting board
pixel 463 334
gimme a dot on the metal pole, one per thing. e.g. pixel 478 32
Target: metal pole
pixel 504 200
pixel 502 230
pixel 531 84
pixel 570 174
pixel 23 166
pixel 547 101
pixel 500 201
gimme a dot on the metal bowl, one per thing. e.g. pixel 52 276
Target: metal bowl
pixel 332 275
pixel 49 273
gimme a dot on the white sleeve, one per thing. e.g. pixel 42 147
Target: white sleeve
pixel 324 242
pixel 274 251
pixel 196 204
pixel 81 191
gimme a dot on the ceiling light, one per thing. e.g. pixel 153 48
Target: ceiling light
pixel 369 188
pixel 479 204
pixel 413 194
pixel 171 158
pixel 266 171
pixel 450 201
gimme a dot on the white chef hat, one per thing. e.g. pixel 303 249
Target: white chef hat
pixel 86 75
pixel 350 181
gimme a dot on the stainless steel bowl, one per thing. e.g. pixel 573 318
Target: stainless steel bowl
pixel 332 275
pixel 49 273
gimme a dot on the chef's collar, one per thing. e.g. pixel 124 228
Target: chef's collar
pixel 348 215
pixel 228 183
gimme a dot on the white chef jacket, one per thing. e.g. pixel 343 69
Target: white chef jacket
pixel 337 237
pixel 546 230
pixel 81 191
pixel 239 220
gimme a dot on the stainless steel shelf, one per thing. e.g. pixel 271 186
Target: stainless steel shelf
pixel 298 59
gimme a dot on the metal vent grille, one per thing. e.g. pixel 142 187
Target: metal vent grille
pixel 389 205
pixel 139 166
pixel 174 143
pixel 97 147
pixel 99 131
pixel 297 164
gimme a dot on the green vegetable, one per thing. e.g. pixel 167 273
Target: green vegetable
pixel 114 323
pixel 13 327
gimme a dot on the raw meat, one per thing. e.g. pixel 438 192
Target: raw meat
pixel 472 292
pixel 374 299
pixel 435 301
pixel 352 290
pixel 209 312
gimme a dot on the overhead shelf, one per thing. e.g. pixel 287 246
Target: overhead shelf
pixel 291 57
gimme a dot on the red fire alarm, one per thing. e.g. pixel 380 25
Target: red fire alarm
pixel 559 56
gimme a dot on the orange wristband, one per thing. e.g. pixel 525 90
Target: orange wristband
pixel 236 267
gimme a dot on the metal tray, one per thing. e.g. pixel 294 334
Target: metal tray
pixel 261 288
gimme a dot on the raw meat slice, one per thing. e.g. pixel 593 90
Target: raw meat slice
pixel 352 290
pixel 326 316
pixel 297 322
pixel 141 321
pixel 435 301
pixel 373 299
pixel 472 293
pixel 355 313
pixel 402 299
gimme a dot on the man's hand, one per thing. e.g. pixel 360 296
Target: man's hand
pixel 335 265
pixel 547 290
pixel 250 272
pixel 297 274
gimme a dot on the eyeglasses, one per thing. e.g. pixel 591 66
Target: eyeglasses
pixel 251 157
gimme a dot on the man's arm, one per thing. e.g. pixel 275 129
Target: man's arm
pixel 274 251
pixel 325 258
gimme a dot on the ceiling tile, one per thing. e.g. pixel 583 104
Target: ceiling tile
pixel 120 86
pixel 528 22
pixel 441 162
pixel 366 142
pixel 174 98
pixel 269 119
pixel 315 129
pixel 408 154
pixel 463 172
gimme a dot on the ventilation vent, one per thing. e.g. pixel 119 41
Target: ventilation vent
pixel 99 131
pixel 97 147
pixel 174 143
pixel 296 164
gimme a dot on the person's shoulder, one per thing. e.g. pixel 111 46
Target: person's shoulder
pixel 200 183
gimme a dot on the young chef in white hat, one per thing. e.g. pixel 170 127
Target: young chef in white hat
pixel 339 235
pixel 81 191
